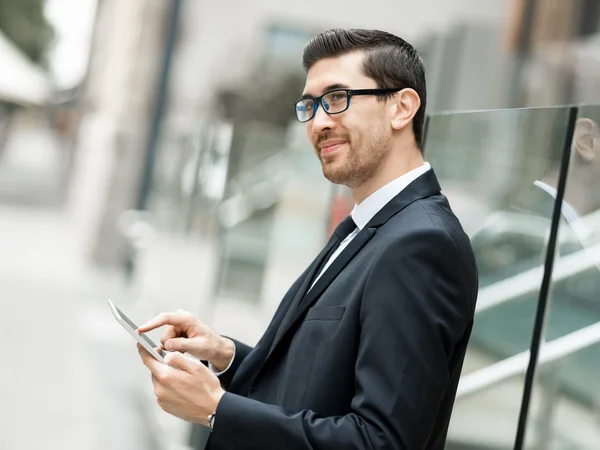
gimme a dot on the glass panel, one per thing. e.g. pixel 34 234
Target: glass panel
pixel 488 163
pixel 287 205
pixel 189 178
pixel 257 168
pixel 566 399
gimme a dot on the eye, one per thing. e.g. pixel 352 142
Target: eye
pixel 305 105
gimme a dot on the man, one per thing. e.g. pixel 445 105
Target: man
pixel 366 348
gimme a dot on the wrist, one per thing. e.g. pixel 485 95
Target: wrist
pixel 224 354
pixel 209 421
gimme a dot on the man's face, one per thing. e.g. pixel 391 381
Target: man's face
pixel 587 145
pixel 353 144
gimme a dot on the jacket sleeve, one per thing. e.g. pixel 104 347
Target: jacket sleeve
pixel 415 309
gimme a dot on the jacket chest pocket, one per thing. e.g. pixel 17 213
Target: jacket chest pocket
pixel 327 313
pixel 319 325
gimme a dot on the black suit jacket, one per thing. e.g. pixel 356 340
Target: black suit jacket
pixel 372 355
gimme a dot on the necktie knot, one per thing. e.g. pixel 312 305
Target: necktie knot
pixel 345 227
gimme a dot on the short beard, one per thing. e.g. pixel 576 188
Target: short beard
pixel 361 164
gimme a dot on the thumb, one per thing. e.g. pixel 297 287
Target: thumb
pixel 182 362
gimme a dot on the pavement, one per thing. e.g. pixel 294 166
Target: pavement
pixel 71 377
pixel 63 385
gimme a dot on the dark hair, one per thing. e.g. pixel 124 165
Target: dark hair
pixel 390 61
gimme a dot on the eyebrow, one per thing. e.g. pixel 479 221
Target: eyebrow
pixel 331 87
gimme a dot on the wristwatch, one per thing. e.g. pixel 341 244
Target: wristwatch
pixel 211 420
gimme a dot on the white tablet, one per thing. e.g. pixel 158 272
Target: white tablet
pixel 131 327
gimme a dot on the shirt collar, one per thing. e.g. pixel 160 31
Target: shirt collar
pixel 567 210
pixel 366 210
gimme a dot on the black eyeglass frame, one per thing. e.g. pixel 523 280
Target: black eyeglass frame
pixel 349 93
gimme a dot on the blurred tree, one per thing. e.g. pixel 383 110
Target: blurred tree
pixel 24 23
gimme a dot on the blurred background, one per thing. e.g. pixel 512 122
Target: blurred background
pixel 149 154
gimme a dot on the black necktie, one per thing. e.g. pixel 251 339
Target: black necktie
pixel 341 232
pixel 344 229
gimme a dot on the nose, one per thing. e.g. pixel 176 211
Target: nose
pixel 322 121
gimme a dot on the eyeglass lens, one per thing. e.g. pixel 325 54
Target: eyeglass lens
pixel 332 102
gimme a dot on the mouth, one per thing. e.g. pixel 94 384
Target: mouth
pixel 330 147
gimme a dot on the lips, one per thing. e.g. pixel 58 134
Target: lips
pixel 328 147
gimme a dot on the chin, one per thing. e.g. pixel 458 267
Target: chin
pixel 337 176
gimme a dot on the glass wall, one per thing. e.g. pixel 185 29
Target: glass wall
pixel 490 165
pixel 565 408
pixel 501 172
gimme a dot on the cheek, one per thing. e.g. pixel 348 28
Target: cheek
pixel 349 128
pixel 355 132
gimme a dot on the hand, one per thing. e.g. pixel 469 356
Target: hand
pixel 185 333
pixel 185 388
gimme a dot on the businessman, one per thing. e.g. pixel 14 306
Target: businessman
pixel 366 348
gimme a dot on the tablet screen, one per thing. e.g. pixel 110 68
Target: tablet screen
pixel 134 327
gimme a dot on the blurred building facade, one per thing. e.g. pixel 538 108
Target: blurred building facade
pixel 235 67
pixel 219 56
pixel 231 175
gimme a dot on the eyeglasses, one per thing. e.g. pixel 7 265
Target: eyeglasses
pixel 333 102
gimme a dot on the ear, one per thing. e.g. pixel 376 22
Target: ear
pixel 404 105
pixel 583 139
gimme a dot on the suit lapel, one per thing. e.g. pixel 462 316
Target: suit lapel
pixel 316 265
pixel 307 300
pixel 336 267
pixel 259 355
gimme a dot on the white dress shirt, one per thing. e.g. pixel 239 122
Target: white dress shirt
pixel 370 206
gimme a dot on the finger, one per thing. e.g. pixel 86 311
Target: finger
pixel 170 333
pixel 182 362
pixel 184 345
pixel 177 319
pixel 149 361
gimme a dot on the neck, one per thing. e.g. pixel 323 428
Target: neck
pixel 394 166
